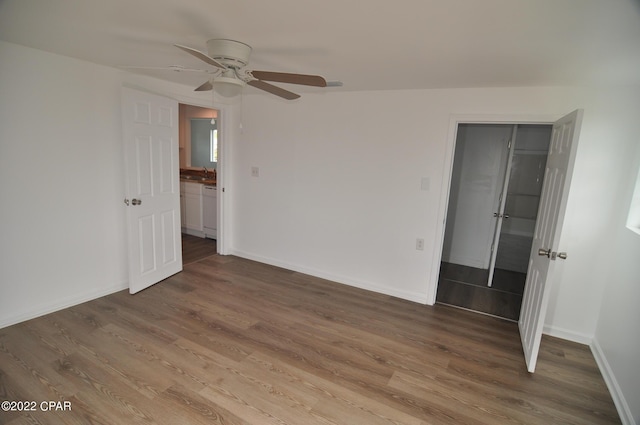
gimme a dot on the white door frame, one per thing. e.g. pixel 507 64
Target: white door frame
pixel 223 154
pixel 454 121
pixel 223 174
pixel 224 120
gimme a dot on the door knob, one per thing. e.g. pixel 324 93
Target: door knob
pixel 546 252
pixel 135 201
pixel 562 255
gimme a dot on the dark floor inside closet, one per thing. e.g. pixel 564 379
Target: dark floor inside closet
pixel 466 287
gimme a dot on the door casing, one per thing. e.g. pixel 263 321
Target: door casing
pixel 454 121
pixel 224 120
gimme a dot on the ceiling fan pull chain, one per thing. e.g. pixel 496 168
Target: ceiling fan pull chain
pixel 241 110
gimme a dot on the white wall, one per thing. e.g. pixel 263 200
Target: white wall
pixel 339 187
pixel 617 344
pixel 60 183
pixel 338 194
pixel 617 340
pixel 62 222
pixel 339 190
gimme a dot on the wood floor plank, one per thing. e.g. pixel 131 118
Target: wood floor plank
pixel 470 408
pixel 332 400
pixel 232 341
pixel 32 376
pixel 200 410
pixel 195 248
pixel 102 390
pixel 544 401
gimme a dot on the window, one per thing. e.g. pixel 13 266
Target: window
pixel 213 144
pixel 633 221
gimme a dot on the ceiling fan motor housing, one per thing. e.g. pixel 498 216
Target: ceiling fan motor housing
pixel 231 53
pixel 229 57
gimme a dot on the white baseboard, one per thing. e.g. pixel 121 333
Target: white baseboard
pixel 612 383
pixel 193 232
pixel 567 334
pixel 405 295
pixel 61 304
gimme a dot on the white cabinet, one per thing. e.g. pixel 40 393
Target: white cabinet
pixel 199 209
pixel 192 217
pixel 183 218
pixel 210 211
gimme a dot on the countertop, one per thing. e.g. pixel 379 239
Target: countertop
pixel 198 176
pixel 201 180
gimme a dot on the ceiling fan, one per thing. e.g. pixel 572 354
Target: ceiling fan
pixel 229 59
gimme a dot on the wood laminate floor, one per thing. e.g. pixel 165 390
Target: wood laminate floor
pixel 195 248
pixel 231 341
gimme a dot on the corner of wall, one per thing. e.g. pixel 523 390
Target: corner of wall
pixel 612 384
pixel 569 335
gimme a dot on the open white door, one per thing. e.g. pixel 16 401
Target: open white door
pixel 150 127
pixel 555 191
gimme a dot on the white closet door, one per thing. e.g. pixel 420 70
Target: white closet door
pixel 544 251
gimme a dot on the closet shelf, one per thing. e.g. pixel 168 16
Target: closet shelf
pixel 517 151
pixel 522 194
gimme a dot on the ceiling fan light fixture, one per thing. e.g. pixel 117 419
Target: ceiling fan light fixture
pixel 228 86
pixel 230 57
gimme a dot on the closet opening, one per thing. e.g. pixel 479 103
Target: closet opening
pixel 496 181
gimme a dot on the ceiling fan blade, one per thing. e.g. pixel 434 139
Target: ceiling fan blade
pixel 284 77
pixel 285 94
pixel 201 56
pixel 205 86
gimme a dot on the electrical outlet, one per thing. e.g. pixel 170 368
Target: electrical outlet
pixel 420 244
pixel 255 172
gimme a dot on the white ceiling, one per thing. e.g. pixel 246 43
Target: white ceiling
pixel 368 45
